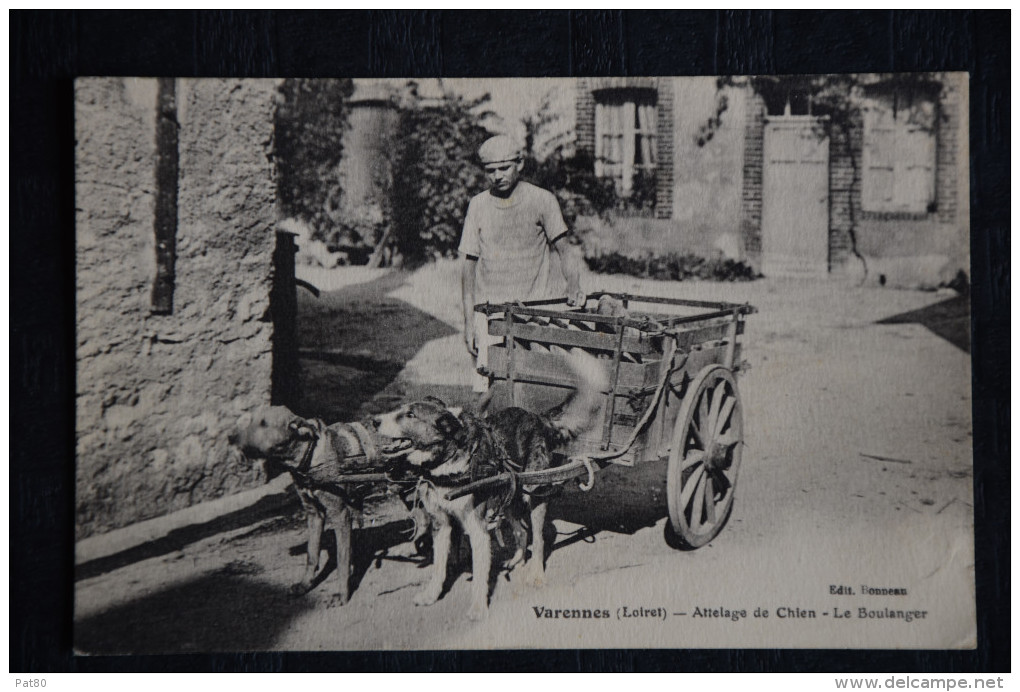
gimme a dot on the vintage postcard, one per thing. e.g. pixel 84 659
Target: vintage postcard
pixel 420 364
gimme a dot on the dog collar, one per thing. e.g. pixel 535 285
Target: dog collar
pixel 306 459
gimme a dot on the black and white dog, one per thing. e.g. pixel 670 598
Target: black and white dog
pixel 451 451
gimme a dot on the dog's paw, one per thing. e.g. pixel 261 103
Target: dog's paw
pixel 337 600
pixel 517 558
pixel 478 612
pixel 426 598
pixel 407 550
pixel 300 589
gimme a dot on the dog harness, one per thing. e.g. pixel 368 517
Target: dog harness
pixel 487 457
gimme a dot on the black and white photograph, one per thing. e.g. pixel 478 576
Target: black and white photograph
pixel 523 363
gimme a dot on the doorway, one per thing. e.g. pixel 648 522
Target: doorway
pixel 795 197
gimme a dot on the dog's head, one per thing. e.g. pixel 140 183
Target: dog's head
pixel 273 433
pixel 421 428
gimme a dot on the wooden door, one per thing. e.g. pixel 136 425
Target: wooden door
pixel 795 197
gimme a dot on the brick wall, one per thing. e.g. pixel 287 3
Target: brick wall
pixel 750 207
pixel 947 152
pixel 158 394
pixel 844 191
pixel 664 113
pixel 585 114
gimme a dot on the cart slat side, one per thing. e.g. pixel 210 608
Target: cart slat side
pixel 677 375
pixel 604 341
pixel 547 367
pixel 544 366
pixel 590 443
pixel 491 308
pixel 688 338
pixel 528 369
pixel 641 321
pixel 607 427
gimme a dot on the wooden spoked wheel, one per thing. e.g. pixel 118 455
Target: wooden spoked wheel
pixel 704 458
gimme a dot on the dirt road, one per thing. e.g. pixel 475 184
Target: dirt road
pixel 857 473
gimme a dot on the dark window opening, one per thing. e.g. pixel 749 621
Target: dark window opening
pixel 782 101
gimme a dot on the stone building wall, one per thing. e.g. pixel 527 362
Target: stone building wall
pixel 157 394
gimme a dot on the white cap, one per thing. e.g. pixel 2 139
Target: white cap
pixel 499 148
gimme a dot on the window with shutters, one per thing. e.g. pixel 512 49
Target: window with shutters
pixel 898 167
pixel 625 137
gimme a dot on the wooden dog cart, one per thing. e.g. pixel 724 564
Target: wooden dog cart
pixel 672 367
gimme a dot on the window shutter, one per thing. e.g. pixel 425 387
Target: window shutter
pixel 915 174
pixel 879 157
pixel 898 160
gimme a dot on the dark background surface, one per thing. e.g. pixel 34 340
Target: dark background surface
pixel 49 49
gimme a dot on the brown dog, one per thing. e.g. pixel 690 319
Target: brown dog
pixel 312 453
pixel 451 451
